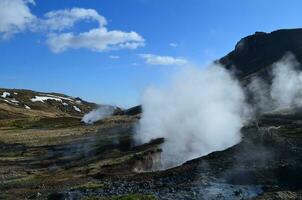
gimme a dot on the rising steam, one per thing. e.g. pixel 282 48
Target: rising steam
pixel 285 90
pixel 98 114
pixel 200 112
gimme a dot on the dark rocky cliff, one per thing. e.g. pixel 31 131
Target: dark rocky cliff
pixel 254 54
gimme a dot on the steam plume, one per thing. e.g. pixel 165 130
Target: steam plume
pixel 199 112
pixel 98 114
pixel 285 90
pixel 202 111
pixel 258 92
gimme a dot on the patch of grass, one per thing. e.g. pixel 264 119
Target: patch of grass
pixel 43 123
pixel 16 123
pixel 47 123
pixel 60 122
pixel 27 181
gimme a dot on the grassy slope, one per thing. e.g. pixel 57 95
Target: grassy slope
pixel 42 156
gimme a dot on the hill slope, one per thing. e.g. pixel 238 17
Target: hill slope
pixel 17 103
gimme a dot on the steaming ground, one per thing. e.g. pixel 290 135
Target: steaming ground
pixel 98 114
pixel 202 111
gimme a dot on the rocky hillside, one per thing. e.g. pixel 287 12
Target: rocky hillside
pixel 17 103
pixel 254 54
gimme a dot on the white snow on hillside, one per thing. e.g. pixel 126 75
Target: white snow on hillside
pixel 7 101
pixel 77 109
pixel 65 104
pixel 50 97
pixel 14 101
pixel 5 94
pixel 11 101
pixel 27 107
pixel 64 98
pixel 44 98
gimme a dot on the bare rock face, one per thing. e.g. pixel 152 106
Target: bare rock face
pixel 255 54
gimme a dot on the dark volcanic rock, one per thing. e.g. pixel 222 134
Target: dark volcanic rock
pixel 256 53
pixel 134 110
pixel 131 111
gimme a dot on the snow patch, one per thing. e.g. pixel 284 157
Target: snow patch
pixel 27 107
pixel 7 101
pixel 50 97
pixel 44 98
pixel 5 94
pixel 77 109
pixel 64 98
pixel 12 101
pixel 65 104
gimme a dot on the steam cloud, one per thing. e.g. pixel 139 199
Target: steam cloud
pixel 98 114
pixel 285 90
pixel 202 111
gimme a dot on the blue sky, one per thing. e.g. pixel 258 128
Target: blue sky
pixel 168 35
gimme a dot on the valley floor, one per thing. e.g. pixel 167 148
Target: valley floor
pixel 62 158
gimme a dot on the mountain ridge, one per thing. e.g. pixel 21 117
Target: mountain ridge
pixel 254 54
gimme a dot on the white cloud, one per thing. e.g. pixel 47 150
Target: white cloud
pixel 99 39
pixel 59 20
pixel 15 16
pixel 96 39
pixel 173 44
pixel 114 57
pixel 163 60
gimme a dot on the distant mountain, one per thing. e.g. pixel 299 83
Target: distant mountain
pixel 18 103
pixel 254 54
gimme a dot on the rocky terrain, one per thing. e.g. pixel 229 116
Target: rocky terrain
pixel 48 153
